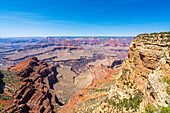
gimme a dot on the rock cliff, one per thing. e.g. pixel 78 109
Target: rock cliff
pixel 36 93
pixel 141 85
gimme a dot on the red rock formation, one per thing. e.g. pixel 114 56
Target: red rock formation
pixel 103 75
pixel 35 95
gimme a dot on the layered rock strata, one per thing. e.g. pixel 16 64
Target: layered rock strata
pixel 142 84
pixel 36 93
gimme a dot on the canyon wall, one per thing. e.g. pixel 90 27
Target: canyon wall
pixel 36 93
pixel 142 85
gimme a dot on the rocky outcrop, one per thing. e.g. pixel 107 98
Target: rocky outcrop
pixel 36 93
pixel 143 81
pixel 146 70
pixel 149 57
pixel 116 64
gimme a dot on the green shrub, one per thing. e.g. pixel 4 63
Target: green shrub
pixel 124 73
pixel 162 36
pixel 145 34
pixel 161 109
pixel 163 32
pixel 153 33
pixel 168 90
pixel 1 107
pixel 168 39
pixel 165 109
pixel 150 109
pixel 166 79
pixel 132 102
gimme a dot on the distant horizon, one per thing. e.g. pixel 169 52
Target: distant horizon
pixel 36 36
pixel 63 36
pixel 128 35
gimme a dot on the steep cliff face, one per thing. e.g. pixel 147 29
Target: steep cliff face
pixel 36 92
pixel 142 84
pixel 147 69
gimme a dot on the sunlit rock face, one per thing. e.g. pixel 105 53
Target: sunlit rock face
pixel 142 81
pixel 36 93
pixel 149 61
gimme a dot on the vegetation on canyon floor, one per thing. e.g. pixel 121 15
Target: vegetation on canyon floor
pixel 131 103
pixel 151 108
pixel 1 107
pixel 10 80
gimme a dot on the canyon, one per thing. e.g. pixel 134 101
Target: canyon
pixel 62 49
pixel 140 85
pixel 89 74
pixel 75 61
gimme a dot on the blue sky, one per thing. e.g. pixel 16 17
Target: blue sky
pixel 83 17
